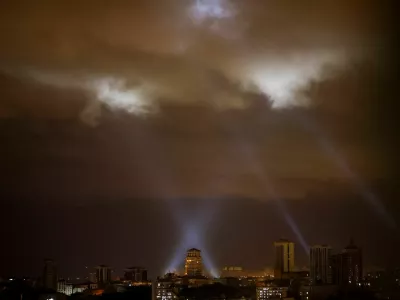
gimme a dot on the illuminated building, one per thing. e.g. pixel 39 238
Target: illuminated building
pixel 320 268
pixel 64 287
pixel 164 288
pixel 81 287
pixel 50 275
pixel 103 275
pixel 193 263
pixel 347 266
pixel 284 258
pixel 272 290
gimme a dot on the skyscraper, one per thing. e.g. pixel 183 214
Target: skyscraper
pixel 193 263
pixel 284 258
pixel 92 277
pixel 50 274
pixel 103 275
pixel 320 268
pixel 348 266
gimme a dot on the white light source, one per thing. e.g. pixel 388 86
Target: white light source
pixel 282 80
pixel 115 94
pixel 211 9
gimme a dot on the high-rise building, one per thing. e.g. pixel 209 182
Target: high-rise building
pixel 92 277
pixel 50 274
pixel 103 275
pixel 136 274
pixel 284 258
pixel 320 264
pixel 348 266
pixel 193 263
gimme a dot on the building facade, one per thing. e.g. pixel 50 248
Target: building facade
pixel 92 277
pixel 50 275
pixel 284 258
pixel 272 291
pixel 348 266
pixel 193 263
pixel 103 275
pixel 64 287
pixel 164 288
pixel 320 264
pixel 135 274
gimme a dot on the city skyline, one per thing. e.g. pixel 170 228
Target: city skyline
pixel 132 131
pixel 192 266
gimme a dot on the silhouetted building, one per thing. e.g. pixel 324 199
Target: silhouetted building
pixel 320 268
pixel 103 275
pixel 347 266
pixel 284 258
pixel 232 272
pixel 193 263
pixel 92 277
pixel 50 275
pixel 137 274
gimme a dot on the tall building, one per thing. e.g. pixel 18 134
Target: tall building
pixel 320 264
pixel 50 275
pixel 103 275
pixel 92 277
pixel 348 266
pixel 284 258
pixel 193 263
pixel 136 274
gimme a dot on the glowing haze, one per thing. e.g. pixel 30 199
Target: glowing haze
pixel 135 57
pixel 201 106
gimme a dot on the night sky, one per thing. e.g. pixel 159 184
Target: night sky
pixel 131 131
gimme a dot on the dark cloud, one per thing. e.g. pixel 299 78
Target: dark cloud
pixel 190 105
pixel 170 52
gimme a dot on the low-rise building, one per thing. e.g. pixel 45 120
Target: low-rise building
pixel 274 289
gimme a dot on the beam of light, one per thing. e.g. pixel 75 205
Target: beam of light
pixel 208 263
pixel 288 218
pixel 194 227
pixel 192 237
pixel 193 224
pixel 249 153
pixel 328 146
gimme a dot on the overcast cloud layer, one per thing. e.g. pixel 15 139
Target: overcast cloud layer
pixel 233 90
pixel 134 57
pixel 121 118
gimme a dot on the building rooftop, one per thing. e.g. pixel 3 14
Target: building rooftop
pixel 194 250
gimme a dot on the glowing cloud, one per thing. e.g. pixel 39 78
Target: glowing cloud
pixel 114 93
pixel 203 10
pixel 283 81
